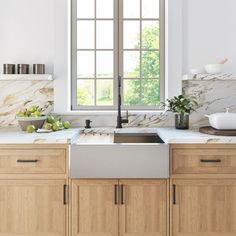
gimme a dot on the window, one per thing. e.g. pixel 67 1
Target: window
pixel 117 37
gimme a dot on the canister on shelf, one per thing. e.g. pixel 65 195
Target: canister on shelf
pixel 23 68
pixel 38 68
pixel 9 69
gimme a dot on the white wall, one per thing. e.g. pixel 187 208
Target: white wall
pixel 27 32
pixel 36 31
pixel 209 28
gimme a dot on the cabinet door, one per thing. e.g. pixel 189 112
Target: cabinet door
pixel 94 210
pixel 204 208
pixel 143 209
pixel 32 208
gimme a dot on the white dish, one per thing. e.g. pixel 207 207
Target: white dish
pixel 223 121
pixel 213 68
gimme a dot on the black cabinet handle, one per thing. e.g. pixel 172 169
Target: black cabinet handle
pixel 210 161
pixel 27 161
pixel 65 194
pixel 122 194
pixel 174 194
pixel 116 194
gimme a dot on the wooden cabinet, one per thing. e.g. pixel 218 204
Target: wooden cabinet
pixel 203 190
pixel 124 207
pixel 203 159
pixel 204 207
pixel 94 210
pixel 33 190
pixel 143 208
pixel 32 208
pixel 33 161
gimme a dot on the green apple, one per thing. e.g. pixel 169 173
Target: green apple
pixel 55 127
pixel 66 124
pixel 30 128
pixel 47 126
pixel 36 114
pixel 51 120
pixel 33 109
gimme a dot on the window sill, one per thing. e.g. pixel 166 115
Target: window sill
pixel 108 113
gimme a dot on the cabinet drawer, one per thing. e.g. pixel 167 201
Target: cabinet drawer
pixel 202 160
pixel 30 161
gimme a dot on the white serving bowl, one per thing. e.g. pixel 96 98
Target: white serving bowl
pixel 36 121
pixel 223 121
pixel 213 68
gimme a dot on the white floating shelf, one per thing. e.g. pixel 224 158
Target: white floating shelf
pixel 25 77
pixel 207 77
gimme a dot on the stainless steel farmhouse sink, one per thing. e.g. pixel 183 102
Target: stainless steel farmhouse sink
pixel 121 155
pixel 137 138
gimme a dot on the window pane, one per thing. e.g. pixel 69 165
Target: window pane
pixel 131 92
pixel 85 34
pixel 85 92
pixel 85 8
pixel 104 64
pixel 85 64
pixel 104 8
pixel 104 92
pixel 150 8
pixel 150 34
pixel 131 8
pixel 150 64
pixel 131 64
pixel 131 34
pixel 150 92
pixel 105 34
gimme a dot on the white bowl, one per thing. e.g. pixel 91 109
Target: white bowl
pixel 213 68
pixel 223 121
pixel 36 121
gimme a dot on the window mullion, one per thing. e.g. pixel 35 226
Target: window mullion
pixel 95 52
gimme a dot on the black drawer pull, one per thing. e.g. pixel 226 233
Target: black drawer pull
pixel 27 161
pixel 116 193
pixel 210 161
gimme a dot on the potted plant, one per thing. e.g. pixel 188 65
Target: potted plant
pixel 182 106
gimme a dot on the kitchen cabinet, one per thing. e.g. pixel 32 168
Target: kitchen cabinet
pixel 34 190
pixel 205 207
pixel 203 190
pixel 119 207
pixel 143 208
pixel 32 207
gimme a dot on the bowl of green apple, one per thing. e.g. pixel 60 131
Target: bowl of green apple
pixel 31 116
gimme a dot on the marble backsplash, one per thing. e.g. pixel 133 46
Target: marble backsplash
pixel 18 94
pixel 213 94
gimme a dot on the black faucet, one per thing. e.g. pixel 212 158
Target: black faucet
pixel 120 120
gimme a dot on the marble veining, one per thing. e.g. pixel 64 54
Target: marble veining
pixel 18 94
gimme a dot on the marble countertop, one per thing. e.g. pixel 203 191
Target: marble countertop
pixel 16 136
pixel 105 136
pixel 172 136
pixel 169 135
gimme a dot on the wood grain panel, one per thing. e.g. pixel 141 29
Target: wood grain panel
pixel 204 207
pixel 48 161
pixel 94 212
pixel 32 208
pixel 144 211
pixel 203 161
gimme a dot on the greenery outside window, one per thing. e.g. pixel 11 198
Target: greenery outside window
pixel 117 37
